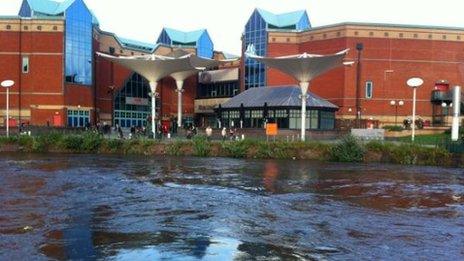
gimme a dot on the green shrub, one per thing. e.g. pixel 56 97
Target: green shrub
pixel 73 142
pixel 26 142
pixel 201 146
pixel 8 140
pixel 175 148
pixel 114 145
pixel 91 142
pixel 238 149
pixel 349 149
pixel 378 146
pixel 393 128
pixel 44 142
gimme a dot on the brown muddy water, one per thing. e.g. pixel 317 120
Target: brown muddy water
pixel 86 207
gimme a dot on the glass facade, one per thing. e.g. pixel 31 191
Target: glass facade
pixel 285 118
pixel 128 115
pixel 218 89
pixel 164 38
pixel 79 44
pixel 205 46
pixel 78 118
pixel 255 33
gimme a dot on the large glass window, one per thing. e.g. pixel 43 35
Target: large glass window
pixel 133 104
pixel 327 120
pixel 218 89
pixel 78 118
pixel 255 33
pixel 79 44
pixel 205 46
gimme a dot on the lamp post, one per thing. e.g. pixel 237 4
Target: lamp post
pixel 7 84
pixel 414 83
pixel 444 105
pixel 396 104
pixel 78 116
pixel 359 48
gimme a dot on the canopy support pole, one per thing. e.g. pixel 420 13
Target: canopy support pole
pixel 180 85
pixel 304 95
pixel 153 86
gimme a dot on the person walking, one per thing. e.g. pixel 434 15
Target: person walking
pixel 209 133
pixel 224 134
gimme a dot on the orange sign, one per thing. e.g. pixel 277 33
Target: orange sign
pixel 271 129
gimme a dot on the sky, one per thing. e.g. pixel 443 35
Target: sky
pixel 143 20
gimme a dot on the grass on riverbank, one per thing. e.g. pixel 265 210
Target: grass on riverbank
pixel 433 139
pixel 348 149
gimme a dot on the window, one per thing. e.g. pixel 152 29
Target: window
pixel 78 118
pixel 112 50
pixel 127 113
pixel 79 49
pixel 369 89
pixel 25 64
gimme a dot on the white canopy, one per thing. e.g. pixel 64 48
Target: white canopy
pixel 152 67
pixel 303 67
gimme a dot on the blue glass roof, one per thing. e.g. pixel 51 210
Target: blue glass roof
pixel 282 20
pixel 184 37
pixel 133 44
pixel 53 7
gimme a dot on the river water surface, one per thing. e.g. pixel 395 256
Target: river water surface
pixel 86 207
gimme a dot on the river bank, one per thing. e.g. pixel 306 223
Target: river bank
pixel 346 150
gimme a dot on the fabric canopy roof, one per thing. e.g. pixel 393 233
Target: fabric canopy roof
pixel 155 67
pixel 303 67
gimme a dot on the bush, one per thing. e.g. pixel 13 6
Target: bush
pixel 393 128
pixel 8 140
pixel 26 142
pixel 239 149
pixel 175 148
pixel 91 142
pixel 201 146
pixel 44 142
pixel 349 149
pixel 73 142
pixel 114 145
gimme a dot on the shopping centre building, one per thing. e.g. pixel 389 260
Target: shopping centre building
pixel 50 48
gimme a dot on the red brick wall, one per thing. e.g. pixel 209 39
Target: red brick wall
pixel 43 85
pixel 385 61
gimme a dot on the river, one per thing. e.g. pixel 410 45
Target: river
pixel 87 207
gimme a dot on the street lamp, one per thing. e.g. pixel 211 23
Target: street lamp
pixel 396 104
pixel 7 84
pixel 444 105
pixel 414 83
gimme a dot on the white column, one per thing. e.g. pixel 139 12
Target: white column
pixel 414 114
pixel 180 85
pixel 304 92
pixel 153 86
pixel 7 112
pixel 456 112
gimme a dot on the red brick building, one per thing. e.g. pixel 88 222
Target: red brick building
pixel 49 51
pixel 391 55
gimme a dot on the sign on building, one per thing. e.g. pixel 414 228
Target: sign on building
pixel 136 101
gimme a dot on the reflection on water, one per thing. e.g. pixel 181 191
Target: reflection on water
pixel 86 207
